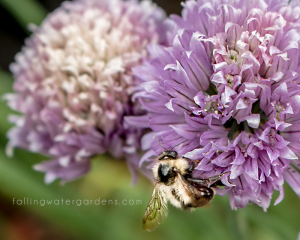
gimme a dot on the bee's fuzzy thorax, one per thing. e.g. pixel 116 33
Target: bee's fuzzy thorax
pixel 183 165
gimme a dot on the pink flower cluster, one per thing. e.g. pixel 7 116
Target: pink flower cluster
pixel 73 84
pixel 228 86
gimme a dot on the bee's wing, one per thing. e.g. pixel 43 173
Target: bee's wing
pixel 156 211
pixel 200 194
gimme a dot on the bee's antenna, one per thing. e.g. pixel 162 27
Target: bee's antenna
pixel 178 144
pixel 161 145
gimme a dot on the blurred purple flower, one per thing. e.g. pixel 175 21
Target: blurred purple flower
pixel 228 84
pixel 73 84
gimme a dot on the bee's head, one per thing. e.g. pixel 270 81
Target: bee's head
pixel 166 173
pixel 167 155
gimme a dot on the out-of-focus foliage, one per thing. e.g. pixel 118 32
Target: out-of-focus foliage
pixel 110 180
pixel 29 11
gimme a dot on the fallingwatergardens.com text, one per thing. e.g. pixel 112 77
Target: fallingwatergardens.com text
pixel 73 202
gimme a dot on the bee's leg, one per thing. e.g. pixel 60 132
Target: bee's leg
pixel 218 183
pixel 209 181
pixel 204 182
pixel 214 179
pixel 193 165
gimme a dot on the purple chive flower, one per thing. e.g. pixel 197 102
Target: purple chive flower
pixel 228 85
pixel 73 84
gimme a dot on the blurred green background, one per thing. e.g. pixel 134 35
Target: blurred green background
pixel 108 180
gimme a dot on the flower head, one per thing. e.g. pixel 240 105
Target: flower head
pixel 73 84
pixel 228 84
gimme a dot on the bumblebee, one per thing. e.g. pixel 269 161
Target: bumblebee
pixel 174 183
